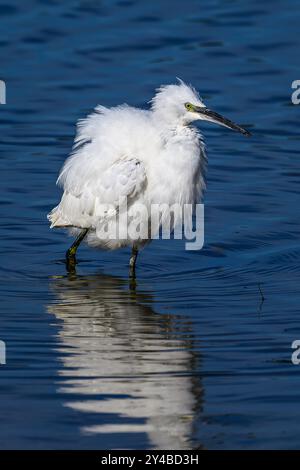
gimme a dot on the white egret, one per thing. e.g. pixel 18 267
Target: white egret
pixel 154 156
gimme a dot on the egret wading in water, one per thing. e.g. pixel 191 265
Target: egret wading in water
pixel 154 156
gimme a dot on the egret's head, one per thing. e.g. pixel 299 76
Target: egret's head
pixel 181 103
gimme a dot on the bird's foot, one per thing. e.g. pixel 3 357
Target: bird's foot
pixel 132 271
pixel 132 280
pixel 132 263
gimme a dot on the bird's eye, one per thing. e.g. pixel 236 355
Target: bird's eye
pixel 188 106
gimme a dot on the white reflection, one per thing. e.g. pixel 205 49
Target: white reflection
pixel 124 359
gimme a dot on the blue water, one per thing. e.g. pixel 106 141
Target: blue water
pixel 193 357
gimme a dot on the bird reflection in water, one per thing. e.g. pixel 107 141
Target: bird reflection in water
pixel 127 361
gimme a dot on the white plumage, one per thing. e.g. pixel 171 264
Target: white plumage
pixel 148 156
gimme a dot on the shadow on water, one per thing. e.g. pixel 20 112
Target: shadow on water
pixel 132 368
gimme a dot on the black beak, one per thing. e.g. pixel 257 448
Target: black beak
pixel 212 116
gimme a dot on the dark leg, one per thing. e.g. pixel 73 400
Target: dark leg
pixel 132 262
pixel 71 253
